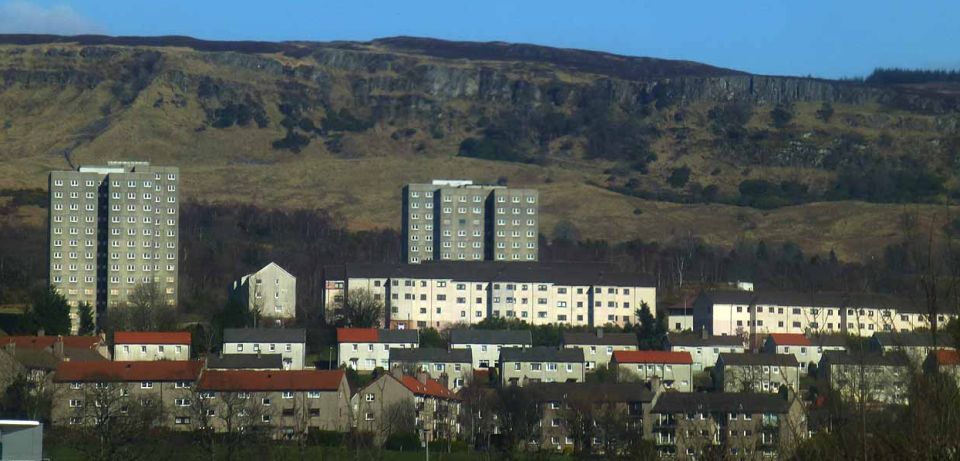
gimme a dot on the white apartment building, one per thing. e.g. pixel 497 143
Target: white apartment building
pixel 450 367
pixel 366 349
pixel 441 294
pixel 485 345
pixel 290 343
pixel 704 349
pixel 598 347
pixel 271 291
pixel 139 346
pixel 759 313
pixel 673 370
pixel 532 365
pixel 808 350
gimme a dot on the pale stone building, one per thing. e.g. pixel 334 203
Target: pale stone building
pixel 366 349
pixel 598 347
pixel 442 294
pixel 458 220
pixel 450 367
pixel 807 349
pixel 271 291
pixel 290 343
pixel 436 409
pixel 756 373
pixel 485 345
pixel 530 365
pixel 704 349
pixel 671 370
pixel 151 345
pixel 871 377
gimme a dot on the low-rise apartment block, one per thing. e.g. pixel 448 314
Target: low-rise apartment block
pixel 870 377
pixel 598 347
pixel 807 349
pixel 366 349
pixel 531 365
pixel 759 313
pixel 485 345
pixel 286 402
pixel 671 370
pixel 149 345
pixel 756 373
pixel 380 407
pixel 691 426
pixel 450 367
pixel 442 294
pixel 291 343
pixel 704 349
pixel 270 291
pixel 946 362
pixel 567 404
pixel 916 345
pixel 87 392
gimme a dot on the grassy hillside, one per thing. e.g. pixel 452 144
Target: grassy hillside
pixel 344 126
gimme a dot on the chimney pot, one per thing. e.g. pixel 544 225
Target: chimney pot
pixel 41 332
pixel 599 332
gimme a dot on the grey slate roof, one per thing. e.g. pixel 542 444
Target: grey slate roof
pixel 889 359
pixel 470 336
pixel 697 340
pixel 398 336
pixel 541 354
pixel 493 271
pixel 245 361
pixel 598 392
pixel 720 402
pixel 819 299
pixel 264 335
pixel 608 339
pixel 909 339
pixel 747 359
pixel 431 354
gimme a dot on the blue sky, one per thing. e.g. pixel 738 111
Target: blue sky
pixel 827 38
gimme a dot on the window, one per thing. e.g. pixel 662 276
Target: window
pixel 370 397
pixel 146 385
pixel 286 395
pixel 182 402
pixel 313 394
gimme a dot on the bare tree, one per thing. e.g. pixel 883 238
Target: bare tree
pixel 233 418
pixel 117 421
pixel 360 310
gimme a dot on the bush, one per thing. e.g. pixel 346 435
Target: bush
pixel 679 177
pixel 344 121
pixel 322 438
pixel 403 441
pixel 456 446
pixel 293 141
pixel 781 115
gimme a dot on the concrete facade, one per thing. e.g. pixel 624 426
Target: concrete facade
pixel 531 365
pixel 113 228
pixel 435 415
pixel 366 349
pixel 485 345
pixel 598 347
pixel 271 291
pixel 442 294
pixel 458 220
pixel 704 349
pixel 288 342
pixel 672 370
pixel 450 367
pixel 870 377
pixel 756 373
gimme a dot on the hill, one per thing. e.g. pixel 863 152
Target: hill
pixel 620 147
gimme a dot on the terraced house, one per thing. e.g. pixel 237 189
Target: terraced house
pixel 751 426
pixel 290 343
pixel 151 345
pixel 756 373
pixel 113 228
pixel 704 348
pixel 366 349
pixel 672 370
pixel 764 312
pixel 90 392
pixel 598 347
pixel 531 365
pixel 450 367
pixel 485 345
pixel 284 402
pixel 869 377
pixel 442 294
pixel 808 349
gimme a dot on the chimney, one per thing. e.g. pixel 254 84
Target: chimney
pixel 10 347
pixel 58 347
pixel 444 379
pixel 599 332
pixel 703 333
pixel 397 372
pixel 422 377
pixel 40 332
pixel 655 384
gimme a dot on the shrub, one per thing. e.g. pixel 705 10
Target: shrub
pixel 679 177
pixel 403 441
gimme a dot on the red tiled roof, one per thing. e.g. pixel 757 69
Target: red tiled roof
pixel 271 380
pixel 103 371
pixel 357 335
pixel 948 357
pixel 430 387
pixel 652 357
pixel 152 337
pixel 790 339
pixel 40 342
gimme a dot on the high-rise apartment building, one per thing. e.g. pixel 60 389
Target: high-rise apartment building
pixel 113 228
pixel 456 220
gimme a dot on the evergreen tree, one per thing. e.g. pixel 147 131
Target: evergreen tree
pixel 651 331
pixel 48 310
pixel 87 325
